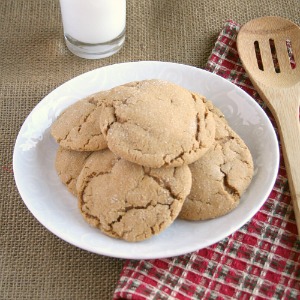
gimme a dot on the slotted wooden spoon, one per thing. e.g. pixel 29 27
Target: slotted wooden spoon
pixel 263 49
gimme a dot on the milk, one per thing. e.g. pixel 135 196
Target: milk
pixel 93 21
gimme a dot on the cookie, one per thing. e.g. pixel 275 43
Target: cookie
pixel 220 177
pixel 68 164
pixel 128 201
pixel 77 128
pixel 156 123
pixel 217 114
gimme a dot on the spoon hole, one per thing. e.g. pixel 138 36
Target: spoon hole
pixel 290 54
pixel 258 56
pixel 274 56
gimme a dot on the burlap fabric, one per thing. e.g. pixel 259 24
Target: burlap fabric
pixel 35 264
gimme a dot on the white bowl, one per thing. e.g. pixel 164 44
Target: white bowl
pixel 50 202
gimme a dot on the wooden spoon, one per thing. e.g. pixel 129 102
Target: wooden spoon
pixel 275 73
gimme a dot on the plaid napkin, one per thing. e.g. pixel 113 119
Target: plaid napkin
pixel 259 261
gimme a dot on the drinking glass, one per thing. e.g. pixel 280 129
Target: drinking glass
pixel 94 28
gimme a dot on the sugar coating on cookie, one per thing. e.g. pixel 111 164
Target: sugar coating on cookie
pixel 77 128
pixel 157 123
pixel 128 201
pixel 68 164
pixel 220 177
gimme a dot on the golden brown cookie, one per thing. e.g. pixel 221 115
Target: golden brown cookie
pixel 128 201
pixel 77 128
pixel 156 123
pixel 68 164
pixel 220 177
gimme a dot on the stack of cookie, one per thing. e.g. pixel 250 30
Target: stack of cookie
pixel 142 154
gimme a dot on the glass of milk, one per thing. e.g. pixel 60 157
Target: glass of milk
pixel 94 28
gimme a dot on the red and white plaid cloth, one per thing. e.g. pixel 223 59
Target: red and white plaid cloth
pixel 259 261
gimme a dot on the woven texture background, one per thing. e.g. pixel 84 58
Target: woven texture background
pixel 34 264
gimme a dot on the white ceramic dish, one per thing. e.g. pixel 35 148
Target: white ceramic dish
pixel 54 207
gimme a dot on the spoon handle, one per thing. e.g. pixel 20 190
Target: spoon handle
pixel 284 105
